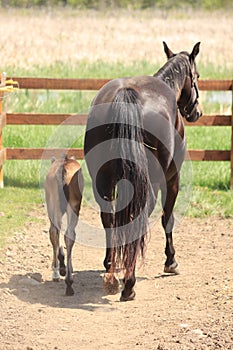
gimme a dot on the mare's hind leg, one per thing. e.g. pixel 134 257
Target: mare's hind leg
pixel 168 200
pixel 107 221
pixel 111 283
pixel 70 235
pixel 104 195
pixel 128 292
pixel 153 193
pixel 55 239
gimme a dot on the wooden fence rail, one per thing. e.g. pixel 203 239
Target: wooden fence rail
pixel 80 119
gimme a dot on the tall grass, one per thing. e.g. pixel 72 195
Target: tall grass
pixel 116 69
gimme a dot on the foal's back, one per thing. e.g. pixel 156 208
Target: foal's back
pixel 63 185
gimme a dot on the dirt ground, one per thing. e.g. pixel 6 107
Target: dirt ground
pixel 193 310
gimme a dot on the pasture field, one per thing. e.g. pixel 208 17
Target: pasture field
pixel 42 37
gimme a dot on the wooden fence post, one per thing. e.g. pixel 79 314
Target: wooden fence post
pixel 1 150
pixel 231 136
pixel 6 86
pixel 2 153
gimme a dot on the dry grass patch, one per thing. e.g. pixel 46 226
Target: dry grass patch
pixel 45 37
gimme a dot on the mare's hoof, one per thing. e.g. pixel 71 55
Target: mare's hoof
pixel 172 269
pixel 128 298
pixel 63 271
pixel 107 266
pixel 69 291
pixel 110 283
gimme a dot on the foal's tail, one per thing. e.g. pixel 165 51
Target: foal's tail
pixel 131 209
pixel 56 197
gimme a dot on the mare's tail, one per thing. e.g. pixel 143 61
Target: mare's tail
pixel 131 208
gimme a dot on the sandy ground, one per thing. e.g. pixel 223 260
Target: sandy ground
pixel 193 310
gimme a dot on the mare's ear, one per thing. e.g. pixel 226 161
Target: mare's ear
pixel 53 159
pixel 167 51
pixel 195 52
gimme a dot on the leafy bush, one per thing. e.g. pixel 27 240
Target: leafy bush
pixel 135 4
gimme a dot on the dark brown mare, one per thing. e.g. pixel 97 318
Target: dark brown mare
pixel 63 194
pixel 134 146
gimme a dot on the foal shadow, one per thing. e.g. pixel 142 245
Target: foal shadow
pixel 166 275
pixel 89 293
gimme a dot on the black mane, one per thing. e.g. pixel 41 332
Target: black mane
pixel 175 70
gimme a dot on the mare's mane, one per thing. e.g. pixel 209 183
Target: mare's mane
pixel 175 70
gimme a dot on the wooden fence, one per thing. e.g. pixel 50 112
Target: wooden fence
pixel 80 119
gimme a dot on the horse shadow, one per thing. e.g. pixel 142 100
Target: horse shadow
pixel 88 287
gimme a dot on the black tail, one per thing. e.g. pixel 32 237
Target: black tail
pixel 61 183
pixel 131 210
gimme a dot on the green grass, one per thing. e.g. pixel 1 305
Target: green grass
pixel 100 69
pixel 208 202
pixel 208 137
pixel 17 204
pixel 84 69
pixel 209 181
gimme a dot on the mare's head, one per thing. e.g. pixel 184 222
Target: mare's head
pixel 188 101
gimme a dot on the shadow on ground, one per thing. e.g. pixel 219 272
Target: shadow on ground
pixel 88 286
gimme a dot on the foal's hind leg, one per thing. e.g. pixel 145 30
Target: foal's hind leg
pixel 72 220
pixel 168 200
pixel 54 238
pixel 61 258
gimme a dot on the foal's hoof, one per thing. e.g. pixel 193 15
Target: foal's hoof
pixel 128 298
pixel 56 279
pixel 110 283
pixel 63 271
pixel 172 269
pixel 56 274
pixel 69 291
